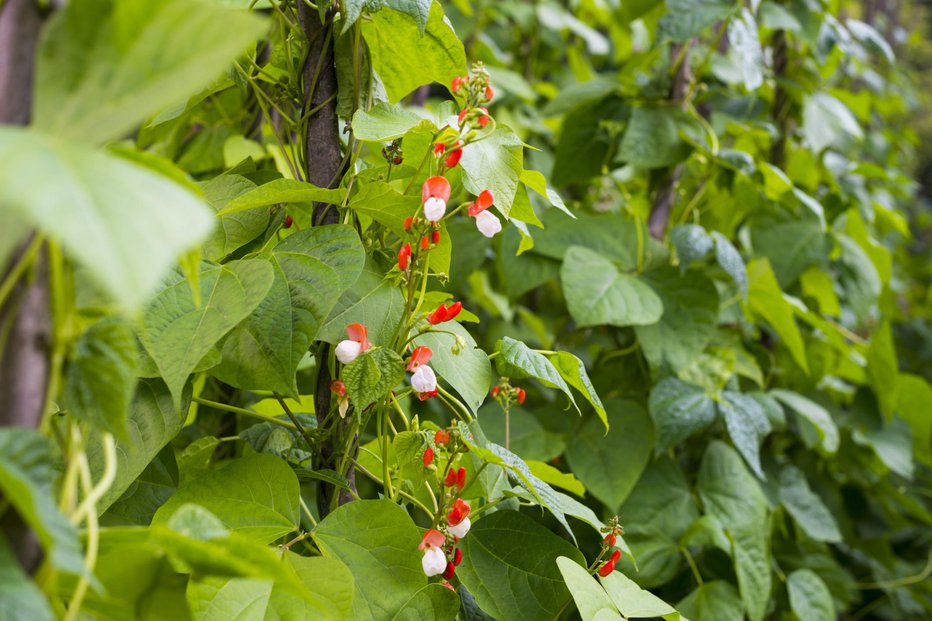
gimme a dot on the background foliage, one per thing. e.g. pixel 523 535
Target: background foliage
pixel 713 283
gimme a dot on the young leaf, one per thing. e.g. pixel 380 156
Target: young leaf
pixel 372 375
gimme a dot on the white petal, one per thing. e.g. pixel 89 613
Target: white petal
pixel 423 379
pixel 434 208
pixel 460 529
pixel 488 224
pixel 347 351
pixel 434 561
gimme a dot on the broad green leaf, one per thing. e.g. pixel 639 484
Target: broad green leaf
pixel 792 247
pixel 574 372
pixel 806 506
pixel 515 577
pixel 79 196
pixel 282 191
pixel 233 230
pixel 311 270
pixel 103 66
pixel 598 293
pixel 588 594
pixel 256 496
pixel 729 492
pixel 394 39
pixel 556 478
pixel 153 422
pixel 372 375
pixel 469 371
pixel 517 360
pixel 883 368
pixel 213 599
pixel 818 416
pixel 652 139
pixel 729 259
pixel 744 46
pixel 149 491
pixel 528 437
pixel 913 398
pixel 892 442
pixel 26 478
pixel 178 332
pixel 766 300
pixel 717 600
pixel 418 9
pixel 678 410
pixel 434 602
pixel 690 315
pixel 588 137
pixel 384 121
pixel 747 426
pixel 378 541
pixel 686 19
pixel 610 465
pixel 634 602
pixel 536 181
pixel 751 552
pixel 810 599
pixel 101 375
pixel 692 243
pixel 20 598
pixel 372 301
pixel 495 164
pixel 828 122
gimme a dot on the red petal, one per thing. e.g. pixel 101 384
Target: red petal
pixel 428 456
pixel 462 114
pixel 432 538
pixel 454 310
pixel 453 159
pixel 615 556
pixel 461 480
pixel 485 199
pixel 435 186
pixel 449 571
pixel 457 556
pixel 420 356
pixel 439 148
pixel 607 568
pixel 439 315
pixel 357 332
pixel 450 479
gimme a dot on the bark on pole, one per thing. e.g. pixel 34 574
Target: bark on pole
pixel 24 359
pixel 324 169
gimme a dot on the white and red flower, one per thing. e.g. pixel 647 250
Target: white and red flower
pixel 434 195
pixel 423 380
pixel 434 561
pixel 358 342
pixel 458 519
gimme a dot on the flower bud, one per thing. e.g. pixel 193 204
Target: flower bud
pixel 610 540
pixel 408 222
pixel 607 568
pixel 455 84
pixel 287 222
pixel 442 437
pixel 453 159
pixel 457 556
pixel 489 93
pixel 449 571
pixel 521 396
pixel 435 237
pixel 338 387
pixel 428 457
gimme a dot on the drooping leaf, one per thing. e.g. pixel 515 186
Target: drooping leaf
pixel 634 602
pixel 747 426
pixel 574 372
pixel 20 598
pixel 678 410
pixel 766 300
pixel 518 361
pixel 810 599
pixel 806 507
pixel 819 417
pixel 717 600
pixel 588 594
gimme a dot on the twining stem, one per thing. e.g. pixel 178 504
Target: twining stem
pixel 294 420
pixel 692 565
pixel 89 504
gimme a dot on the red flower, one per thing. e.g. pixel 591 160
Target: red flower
pixel 489 93
pixel 607 568
pixel 495 391
pixel 432 539
pixel 435 237
pixel 424 396
pixel 453 159
pixel 442 437
pixel 450 479
pixel 357 332
pixel 425 243
pixel 484 118
pixel 615 556
pixel 338 387
pixel 445 313
pixel 288 222
pixel 439 148
pixel 449 571
pixel 483 202
pixel 461 478
pixel 455 84
pixel 408 222
pixel 610 540
pixel 458 513
pixel 462 115
pixel 403 255
pixel 420 356
pixel 521 396
pixel 457 556
pixel 435 187
pixel 428 457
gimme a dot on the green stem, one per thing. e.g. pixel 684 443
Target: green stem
pixel 244 412
pixel 24 263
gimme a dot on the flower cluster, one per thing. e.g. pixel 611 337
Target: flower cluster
pixel 506 394
pixel 612 530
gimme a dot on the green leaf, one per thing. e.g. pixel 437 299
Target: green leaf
pixel 103 67
pixel 311 270
pixel 729 492
pixel 747 426
pixel 634 602
pixel 883 368
pixel 434 602
pixel 588 594
pixel 395 38
pixel 495 164
pixel 597 293
pixel 510 566
pixel 255 495
pixel 692 243
pixel 574 372
pixel 26 477
pixel 610 465
pixel 372 301
pixel 652 139
pixel 766 300
pixel 827 122
pixel 150 490
pixel 819 417
pixel 418 9
pixel 751 551
pixel 810 599
pixel 469 372
pixel 282 191
pixel 153 422
pixel 686 19
pixel 517 360
pixel 730 260
pixel 678 410
pixel 384 121
pixel 913 396
pixel 101 375
pixel 372 375
pixel 20 598
pixel 178 332
pixel 78 196
pixel 717 600
pixel 791 247
pixel 806 506
pixel 588 136
pixel 690 315
pixel 744 46
pixel 378 541
pixel 234 230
